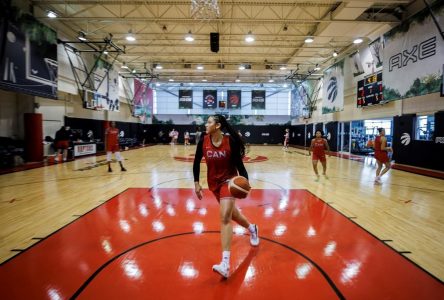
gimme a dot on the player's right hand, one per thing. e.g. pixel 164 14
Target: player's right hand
pixel 198 190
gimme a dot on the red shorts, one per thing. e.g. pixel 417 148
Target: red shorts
pixel 62 145
pixel 382 157
pixel 222 191
pixel 319 157
pixel 113 148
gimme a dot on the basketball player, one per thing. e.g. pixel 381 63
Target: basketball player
pixel 186 137
pixel 112 146
pixel 223 156
pixel 61 142
pixel 381 155
pixel 318 146
pixel 286 138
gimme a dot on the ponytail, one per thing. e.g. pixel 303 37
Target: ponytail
pixel 233 134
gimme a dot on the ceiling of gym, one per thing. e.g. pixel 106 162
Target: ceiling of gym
pixel 279 27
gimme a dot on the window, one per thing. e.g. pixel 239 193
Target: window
pixel 425 127
pixel 371 126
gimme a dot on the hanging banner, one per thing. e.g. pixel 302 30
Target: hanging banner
pixel 355 60
pixel 414 56
pixel 376 51
pixel 258 99
pixel 107 84
pixel 333 89
pixel 143 100
pixel 209 99
pixel 28 56
pixel 185 99
pixel 234 99
pixel 300 100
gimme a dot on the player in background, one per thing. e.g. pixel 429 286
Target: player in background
pixel 112 146
pixel 381 155
pixel 286 139
pixel 186 137
pixel 318 147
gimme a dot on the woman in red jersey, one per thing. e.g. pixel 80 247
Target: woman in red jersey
pixel 318 146
pixel 112 145
pixel 381 155
pixel 286 138
pixel 223 156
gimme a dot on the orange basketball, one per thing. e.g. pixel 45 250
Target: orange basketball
pixel 239 187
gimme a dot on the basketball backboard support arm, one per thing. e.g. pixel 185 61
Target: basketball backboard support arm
pixel 93 47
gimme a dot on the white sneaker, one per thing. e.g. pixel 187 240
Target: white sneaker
pixel 254 237
pixel 223 269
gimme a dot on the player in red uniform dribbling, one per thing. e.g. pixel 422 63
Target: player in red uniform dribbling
pixel 223 156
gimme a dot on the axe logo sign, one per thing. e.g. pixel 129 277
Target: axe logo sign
pixel 421 51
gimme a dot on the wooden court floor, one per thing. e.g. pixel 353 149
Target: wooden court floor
pixel 406 211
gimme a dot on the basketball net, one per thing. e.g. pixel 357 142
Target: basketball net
pixel 205 9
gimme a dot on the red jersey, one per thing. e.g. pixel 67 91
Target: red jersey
pixel 112 137
pixel 319 146
pixel 218 160
pixel 380 155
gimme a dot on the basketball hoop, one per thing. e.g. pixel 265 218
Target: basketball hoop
pixel 205 9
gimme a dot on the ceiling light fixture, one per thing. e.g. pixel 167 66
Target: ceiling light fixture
pixel 130 37
pixel 200 67
pixel 51 14
pixel 283 68
pixel 249 38
pixel 309 40
pixel 82 36
pixel 189 37
pixel 241 67
pixel 124 66
pixel 171 79
pixel 335 53
pixel 204 80
pixel 159 67
pixel 271 80
pixel 237 79
pixel 317 68
pixel 358 41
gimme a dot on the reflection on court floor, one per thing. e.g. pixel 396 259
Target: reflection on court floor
pixel 161 244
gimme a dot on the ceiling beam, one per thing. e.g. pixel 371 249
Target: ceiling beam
pixel 315 3
pixel 134 20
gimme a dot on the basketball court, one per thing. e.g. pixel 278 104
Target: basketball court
pixel 144 232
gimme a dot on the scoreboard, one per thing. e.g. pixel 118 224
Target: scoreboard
pixel 370 90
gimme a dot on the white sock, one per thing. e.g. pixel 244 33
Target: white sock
pixel 226 257
pixel 251 228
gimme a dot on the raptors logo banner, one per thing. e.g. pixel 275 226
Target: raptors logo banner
pixel 209 99
pixel 333 88
pixel 234 99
